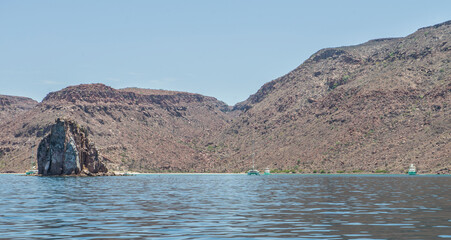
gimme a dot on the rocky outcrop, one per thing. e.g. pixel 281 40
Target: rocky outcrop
pixel 135 129
pixel 67 151
pixel 377 106
pixel 443 171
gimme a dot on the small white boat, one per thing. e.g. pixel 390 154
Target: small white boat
pixel 32 172
pixel 412 170
pixel 253 171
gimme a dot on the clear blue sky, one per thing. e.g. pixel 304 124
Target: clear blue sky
pixel 226 49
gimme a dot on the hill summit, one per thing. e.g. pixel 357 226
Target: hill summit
pixel 374 107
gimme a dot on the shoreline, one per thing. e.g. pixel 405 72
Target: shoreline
pixel 120 173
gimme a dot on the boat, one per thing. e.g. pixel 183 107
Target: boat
pixel 267 171
pixel 32 172
pixel 253 171
pixel 412 170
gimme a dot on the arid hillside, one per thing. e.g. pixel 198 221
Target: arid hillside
pixel 10 106
pixel 135 129
pixel 374 107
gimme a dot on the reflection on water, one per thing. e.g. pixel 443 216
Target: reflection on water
pixel 226 206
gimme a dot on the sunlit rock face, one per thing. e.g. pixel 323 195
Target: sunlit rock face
pixel 67 151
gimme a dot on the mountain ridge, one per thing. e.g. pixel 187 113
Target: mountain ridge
pixel 375 106
pixel 321 93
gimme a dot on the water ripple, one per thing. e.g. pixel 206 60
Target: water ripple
pixel 226 206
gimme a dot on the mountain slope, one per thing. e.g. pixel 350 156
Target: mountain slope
pixel 10 106
pixel 377 106
pixel 380 106
pixel 135 129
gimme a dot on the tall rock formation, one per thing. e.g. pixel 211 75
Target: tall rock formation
pixel 67 151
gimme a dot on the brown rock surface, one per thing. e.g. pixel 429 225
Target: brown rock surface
pixel 134 129
pixel 10 106
pixel 381 105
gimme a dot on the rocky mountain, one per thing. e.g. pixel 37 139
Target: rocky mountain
pixel 378 106
pixel 374 107
pixel 134 129
pixel 10 106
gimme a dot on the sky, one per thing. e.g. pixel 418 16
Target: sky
pixel 226 49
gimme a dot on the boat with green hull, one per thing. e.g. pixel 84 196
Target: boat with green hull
pixel 32 172
pixel 253 171
pixel 412 170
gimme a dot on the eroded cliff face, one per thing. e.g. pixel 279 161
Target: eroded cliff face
pixel 67 151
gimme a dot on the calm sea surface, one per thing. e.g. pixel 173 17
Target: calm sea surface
pixel 226 206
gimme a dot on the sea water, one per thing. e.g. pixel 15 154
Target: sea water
pixel 190 206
